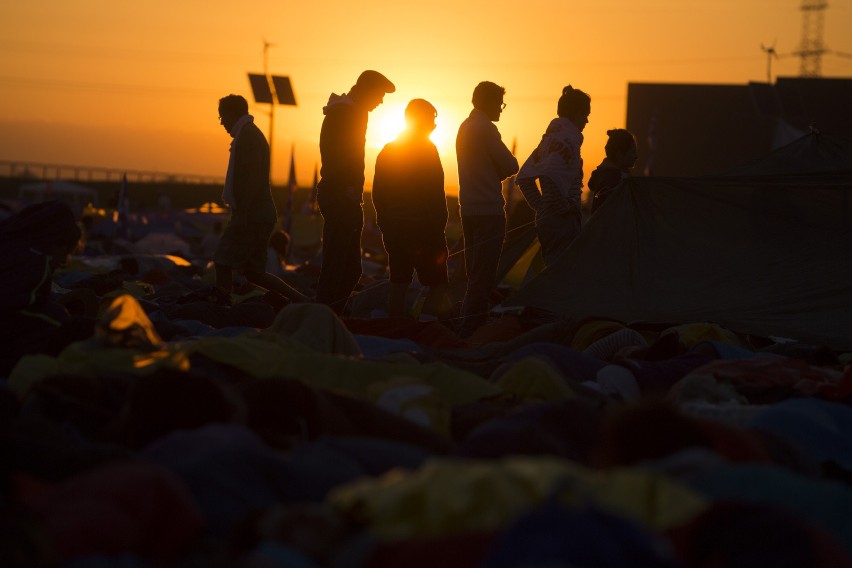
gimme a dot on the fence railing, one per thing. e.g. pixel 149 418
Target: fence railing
pixel 36 170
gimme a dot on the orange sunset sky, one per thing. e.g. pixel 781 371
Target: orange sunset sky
pixel 135 85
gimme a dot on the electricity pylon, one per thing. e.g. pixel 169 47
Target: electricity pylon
pixel 812 49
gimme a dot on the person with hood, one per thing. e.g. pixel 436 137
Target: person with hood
pixel 341 186
pixel 558 167
pixel 411 211
pixel 620 158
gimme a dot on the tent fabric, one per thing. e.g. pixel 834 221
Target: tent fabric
pixel 794 542
pixel 814 152
pixel 823 503
pixel 124 506
pixel 75 195
pixel 516 246
pixel 446 496
pixel 764 255
pixel 150 439
pixel 598 538
pixel 317 327
pixel 818 427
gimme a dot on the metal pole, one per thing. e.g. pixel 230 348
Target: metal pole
pixel 770 53
pixel 266 46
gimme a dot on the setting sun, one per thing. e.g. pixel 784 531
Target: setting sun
pixel 388 121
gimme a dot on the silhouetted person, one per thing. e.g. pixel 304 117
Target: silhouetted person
pixel 34 242
pixel 164 202
pixel 620 158
pixel 210 241
pixel 341 186
pixel 277 253
pixel 243 245
pixel 411 211
pixel 484 162
pixel 557 165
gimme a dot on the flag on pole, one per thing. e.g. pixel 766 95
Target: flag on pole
pixel 292 186
pixel 123 210
pixel 314 191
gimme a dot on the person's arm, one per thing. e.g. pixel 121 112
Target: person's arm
pixel 381 193
pixel 331 150
pixel 504 161
pixel 342 153
pixel 529 189
pixel 26 275
pixel 552 199
pixel 249 174
pixel 436 180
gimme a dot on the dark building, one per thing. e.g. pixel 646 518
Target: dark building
pixel 692 130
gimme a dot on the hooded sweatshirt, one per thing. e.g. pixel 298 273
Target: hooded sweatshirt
pixel 342 139
pixel 557 157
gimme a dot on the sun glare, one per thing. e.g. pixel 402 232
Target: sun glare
pixel 388 121
pixel 443 137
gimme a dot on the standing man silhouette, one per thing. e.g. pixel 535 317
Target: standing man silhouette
pixel 341 186
pixel 484 162
pixel 253 215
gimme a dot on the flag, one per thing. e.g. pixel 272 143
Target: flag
pixel 314 191
pixel 123 210
pixel 292 186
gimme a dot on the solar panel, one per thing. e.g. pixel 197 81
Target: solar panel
pixel 260 88
pixel 284 90
pixel 263 94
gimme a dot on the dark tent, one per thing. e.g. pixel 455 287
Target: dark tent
pixel 814 152
pixel 764 254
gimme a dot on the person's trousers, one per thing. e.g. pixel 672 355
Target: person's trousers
pixel 341 253
pixel 483 243
pixel 557 219
pixel 556 231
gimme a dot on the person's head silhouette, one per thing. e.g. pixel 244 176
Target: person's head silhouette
pixel 370 89
pixel 231 109
pixel 420 117
pixel 488 97
pixel 575 105
pixel 621 148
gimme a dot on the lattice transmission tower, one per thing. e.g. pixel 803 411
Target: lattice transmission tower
pixel 812 49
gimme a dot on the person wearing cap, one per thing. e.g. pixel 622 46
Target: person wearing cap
pixel 484 162
pixel 411 211
pixel 341 186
